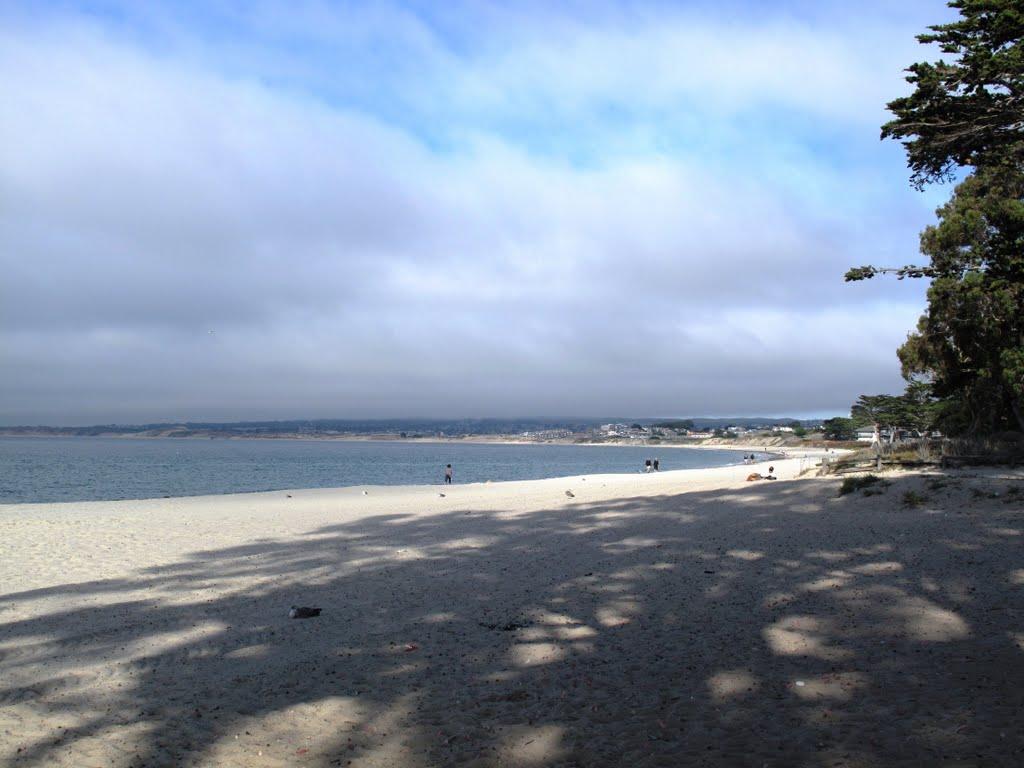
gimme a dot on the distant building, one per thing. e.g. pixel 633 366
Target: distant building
pixel 617 430
pixel 865 435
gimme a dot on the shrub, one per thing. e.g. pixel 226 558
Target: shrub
pixel 870 484
pixel 978 493
pixel 913 499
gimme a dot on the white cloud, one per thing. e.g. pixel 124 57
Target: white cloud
pixel 347 267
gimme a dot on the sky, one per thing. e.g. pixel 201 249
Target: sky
pixel 312 209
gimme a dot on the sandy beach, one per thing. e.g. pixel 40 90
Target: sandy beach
pixel 678 618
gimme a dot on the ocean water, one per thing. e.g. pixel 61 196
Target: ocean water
pixel 43 469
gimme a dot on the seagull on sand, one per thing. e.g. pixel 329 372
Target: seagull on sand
pixel 302 612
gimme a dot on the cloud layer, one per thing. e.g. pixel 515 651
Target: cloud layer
pixel 318 211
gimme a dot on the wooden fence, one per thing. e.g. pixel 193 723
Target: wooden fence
pixel 929 451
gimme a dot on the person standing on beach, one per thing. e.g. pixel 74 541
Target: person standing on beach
pixel 448 475
pixel 657 465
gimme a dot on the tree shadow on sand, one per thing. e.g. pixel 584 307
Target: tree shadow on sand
pixel 780 625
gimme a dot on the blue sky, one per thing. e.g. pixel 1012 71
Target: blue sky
pixel 259 210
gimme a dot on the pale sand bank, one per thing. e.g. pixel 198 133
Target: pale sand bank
pixel 680 618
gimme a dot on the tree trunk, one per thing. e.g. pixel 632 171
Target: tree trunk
pixel 1018 412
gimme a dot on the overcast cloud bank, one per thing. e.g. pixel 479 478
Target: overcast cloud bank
pixel 313 210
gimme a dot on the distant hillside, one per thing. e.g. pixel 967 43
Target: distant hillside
pixel 739 421
pixel 389 427
pixel 314 427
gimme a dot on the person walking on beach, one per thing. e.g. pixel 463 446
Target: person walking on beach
pixel 448 475
pixel 657 465
pixel 647 465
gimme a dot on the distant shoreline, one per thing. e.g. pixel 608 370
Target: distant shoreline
pixel 701 444
pixel 786 467
pixel 162 468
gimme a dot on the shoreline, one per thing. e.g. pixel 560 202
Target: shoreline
pixel 765 460
pixel 173 526
pixel 702 475
pixel 101 539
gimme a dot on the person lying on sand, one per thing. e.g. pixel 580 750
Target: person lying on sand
pixel 758 476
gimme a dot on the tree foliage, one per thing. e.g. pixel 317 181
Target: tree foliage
pixel 970 340
pixel 878 411
pixel 970 111
pixel 839 428
pixel 916 410
pixel 686 424
pixel 968 349
pixel 922 411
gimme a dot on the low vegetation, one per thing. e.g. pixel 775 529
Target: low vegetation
pixel 869 484
pixel 913 499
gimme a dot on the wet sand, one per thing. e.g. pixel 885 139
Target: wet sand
pixel 682 618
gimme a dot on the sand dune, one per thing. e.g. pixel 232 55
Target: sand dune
pixel 684 618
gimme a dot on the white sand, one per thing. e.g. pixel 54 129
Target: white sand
pixel 675 618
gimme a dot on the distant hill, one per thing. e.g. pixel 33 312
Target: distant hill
pixel 392 427
pixel 737 421
pixel 314 427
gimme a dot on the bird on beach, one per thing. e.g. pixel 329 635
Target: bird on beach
pixel 570 494
pixel 302 612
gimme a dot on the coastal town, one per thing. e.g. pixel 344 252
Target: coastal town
pixel 647 431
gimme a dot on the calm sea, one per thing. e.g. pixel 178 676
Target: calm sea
pixel 86 468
